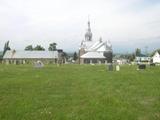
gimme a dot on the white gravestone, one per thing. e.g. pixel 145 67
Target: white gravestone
pixel 117 68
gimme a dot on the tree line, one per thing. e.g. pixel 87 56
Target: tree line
pixel 52 47
pixel 132 56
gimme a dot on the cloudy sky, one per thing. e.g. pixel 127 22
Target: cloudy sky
pixel 128 24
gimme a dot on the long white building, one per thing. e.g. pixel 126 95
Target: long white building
pixel 22 57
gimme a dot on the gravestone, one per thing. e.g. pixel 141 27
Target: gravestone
pixel 141 66
pixel 38 64
pixel 110 67
pixel 108 56
pixel 117 68
pixel 152 64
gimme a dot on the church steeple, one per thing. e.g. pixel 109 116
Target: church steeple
pixel 88 35
pixel 89 27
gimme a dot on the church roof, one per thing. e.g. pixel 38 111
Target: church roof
pixel 98 46
pixel 12 54
pixel 93 55
pixel 156 54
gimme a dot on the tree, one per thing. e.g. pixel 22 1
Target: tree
pixel 65 55
pixel 138 52
pixel 75 57
pixel 39 48
pixel 131 57
pixel 157 50
pixel 28 48
pixel 52 47
pixel 6 47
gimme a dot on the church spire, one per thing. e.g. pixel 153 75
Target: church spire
pixel 89 27
pixel 88 35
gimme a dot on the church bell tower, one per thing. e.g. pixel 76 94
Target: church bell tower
pixel 88 35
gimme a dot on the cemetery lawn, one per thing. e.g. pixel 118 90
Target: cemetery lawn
pixel 79 92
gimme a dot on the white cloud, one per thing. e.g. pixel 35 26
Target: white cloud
pixel 26 22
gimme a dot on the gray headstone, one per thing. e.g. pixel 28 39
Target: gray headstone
pixel 38 64
pixel 110 67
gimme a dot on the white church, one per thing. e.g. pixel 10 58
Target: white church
pixel 93 52
pixel 156 57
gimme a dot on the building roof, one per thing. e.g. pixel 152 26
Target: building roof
pixel 93 55
pixel 12 54
pixel 156 54
pixel 141 55
pixel 96 46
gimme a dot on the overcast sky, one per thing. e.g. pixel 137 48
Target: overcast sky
pixel 128 24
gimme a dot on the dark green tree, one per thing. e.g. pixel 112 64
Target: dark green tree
pixel 138 52
pixel 6 47
pixel 65 55
pixel 75 57
pixel 155 52
pixel 52 47
pixel 131 57
pixel 39 48
pixel 28 48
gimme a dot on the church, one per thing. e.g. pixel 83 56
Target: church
pixel 94 52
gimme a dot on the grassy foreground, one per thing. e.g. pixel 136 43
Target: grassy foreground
pixel 79 92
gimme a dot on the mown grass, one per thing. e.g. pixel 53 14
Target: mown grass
pixel 79 92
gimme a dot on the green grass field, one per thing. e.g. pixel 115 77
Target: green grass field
pixel 79 92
